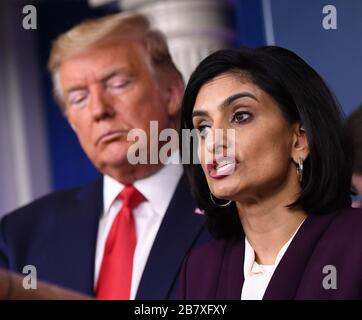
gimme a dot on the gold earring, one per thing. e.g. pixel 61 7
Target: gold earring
pixel 300 169
pixel 218 203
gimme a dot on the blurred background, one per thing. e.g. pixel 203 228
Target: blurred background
pixel 39 152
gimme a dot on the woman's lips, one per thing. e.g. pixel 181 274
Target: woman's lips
pixel 221 167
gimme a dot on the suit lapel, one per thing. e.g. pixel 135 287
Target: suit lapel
pixel 177 234
pixel 75 238
pixel 231 277
pixel 287 276
pixel 289 272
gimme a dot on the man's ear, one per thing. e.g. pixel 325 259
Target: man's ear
pixel 300 147
pixel 72 126
pixel 175 90
pixel 70 122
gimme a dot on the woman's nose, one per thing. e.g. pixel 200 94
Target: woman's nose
pixel 219 140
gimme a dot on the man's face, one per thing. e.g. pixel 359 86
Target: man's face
pixel 109 90
pixel 357 182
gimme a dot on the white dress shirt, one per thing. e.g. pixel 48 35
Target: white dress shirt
pixel 158 190
pixel 257 276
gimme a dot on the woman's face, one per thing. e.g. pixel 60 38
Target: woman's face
pixel 261 164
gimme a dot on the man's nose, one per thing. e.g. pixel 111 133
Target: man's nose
pixel 102 106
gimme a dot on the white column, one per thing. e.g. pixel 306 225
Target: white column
pixel 194 28
pixel 23 150
pixel 268 22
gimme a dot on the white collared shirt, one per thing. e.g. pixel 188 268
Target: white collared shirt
pixel 158 190
pixel 257 276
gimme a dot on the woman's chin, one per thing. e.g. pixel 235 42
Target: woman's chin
pixel 224 194
pixel 226 188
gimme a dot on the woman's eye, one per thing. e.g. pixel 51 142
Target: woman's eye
pixel 241 116
pixel 203 130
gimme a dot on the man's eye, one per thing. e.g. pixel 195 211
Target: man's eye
pixel 241 116
pixel 117 84
pixel 77 100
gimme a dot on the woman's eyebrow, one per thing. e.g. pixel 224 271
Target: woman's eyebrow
pixel 229 100
pixel 199 113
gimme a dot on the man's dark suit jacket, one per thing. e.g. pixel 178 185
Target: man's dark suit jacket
pixel 58 234
pixel 215 270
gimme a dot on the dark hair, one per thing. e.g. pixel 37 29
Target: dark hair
pixel 354 130
pixel 301 95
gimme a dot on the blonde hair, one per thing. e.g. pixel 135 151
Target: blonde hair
pixel 113 27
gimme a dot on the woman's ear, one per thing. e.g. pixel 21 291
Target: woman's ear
pixel 300 148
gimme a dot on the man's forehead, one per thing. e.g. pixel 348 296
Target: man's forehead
pixel 114 51
pixel 96 75
pixel 103 61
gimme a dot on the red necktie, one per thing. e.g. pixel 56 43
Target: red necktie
pixel 114 282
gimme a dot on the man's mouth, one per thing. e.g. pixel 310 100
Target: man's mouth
pixel 111 135
pixel 221 167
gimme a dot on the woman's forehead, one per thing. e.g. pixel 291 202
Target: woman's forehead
pixel 216 90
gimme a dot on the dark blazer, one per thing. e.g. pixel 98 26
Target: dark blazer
pixel 58 234
pixel 215 270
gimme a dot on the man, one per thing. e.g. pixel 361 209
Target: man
pixel 126 235
pixel 12 288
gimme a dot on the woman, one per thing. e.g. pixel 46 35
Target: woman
pixel 353 126
pixel 278 204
